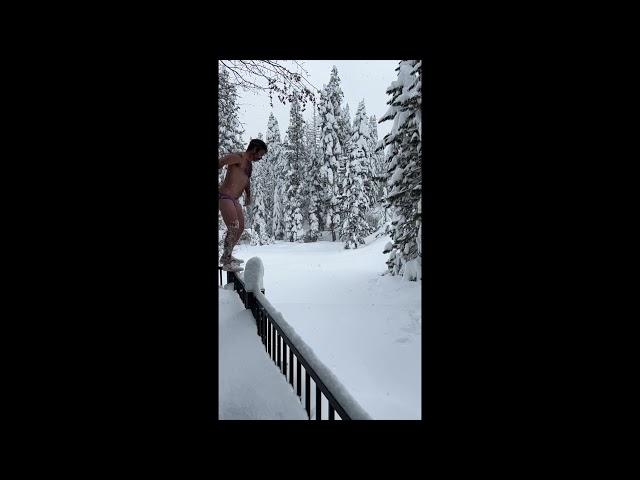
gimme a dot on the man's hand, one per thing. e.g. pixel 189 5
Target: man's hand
pixel 230 159
pixel 247 194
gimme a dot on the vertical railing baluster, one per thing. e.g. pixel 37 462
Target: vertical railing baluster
pixel 284 359
pixel 307 393
pixel 298 379
pixel 332 412
pixel 273 342
pixel 278 340
pixel 265 320
pixel 290 366
pixel 269 337
pixel 318 403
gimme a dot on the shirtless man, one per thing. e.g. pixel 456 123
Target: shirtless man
pixel 237 180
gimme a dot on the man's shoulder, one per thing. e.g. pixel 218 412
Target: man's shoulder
pixel 237 158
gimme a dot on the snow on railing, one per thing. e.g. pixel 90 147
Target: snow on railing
pixel 278 336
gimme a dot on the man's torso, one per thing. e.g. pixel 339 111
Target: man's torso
pixel 236 179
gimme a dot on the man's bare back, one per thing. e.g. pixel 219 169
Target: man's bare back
pixel 236 180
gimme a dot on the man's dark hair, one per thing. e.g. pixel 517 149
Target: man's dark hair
pixel 257 144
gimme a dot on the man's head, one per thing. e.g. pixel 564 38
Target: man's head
pixel 256 149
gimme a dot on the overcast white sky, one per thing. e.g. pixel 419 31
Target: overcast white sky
pixel 359 79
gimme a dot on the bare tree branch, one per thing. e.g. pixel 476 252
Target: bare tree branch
pixel 285 82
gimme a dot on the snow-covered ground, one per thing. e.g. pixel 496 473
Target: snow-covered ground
pixel 365 327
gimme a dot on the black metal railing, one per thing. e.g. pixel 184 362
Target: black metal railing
pixel 277 344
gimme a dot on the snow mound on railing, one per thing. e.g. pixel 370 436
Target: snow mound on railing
pixel 253 275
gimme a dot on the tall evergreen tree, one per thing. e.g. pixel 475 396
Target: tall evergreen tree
pixel 261 235
pixel 378 170
pixel 261 196
pixel 294 169
pixel 278 212
pixel 229 129
pixel 312 180
pixel 343 129
pixel 356 194
pixel 279 192
pixel 273 171
pixel 331 150
pixel 346 131
pixel 404 157
pixel 336 97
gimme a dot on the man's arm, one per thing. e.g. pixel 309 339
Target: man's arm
pixel 247 192
pixel 230 159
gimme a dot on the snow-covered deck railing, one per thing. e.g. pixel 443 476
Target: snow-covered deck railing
pixel 278 336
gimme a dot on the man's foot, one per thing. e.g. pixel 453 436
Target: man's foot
pixel 233 260
pixel 232 267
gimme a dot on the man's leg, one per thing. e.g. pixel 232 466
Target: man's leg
pixel 240 217
pixel 230 217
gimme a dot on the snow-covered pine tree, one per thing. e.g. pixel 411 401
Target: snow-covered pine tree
pixel 356 194
pixel 261 191
pixel 278 213
pixel 280 199
pixel 377 216
pixel 343 129
pixel 330 152
pixel 378 170
pixel 404 157
pixel 346 131
pixel 337 96
pixel 260 234
pixel 361 140
pixel 256 188
pixel 229 129
pixel 273 171
pixel 295 168
pixel 285 183
pixel 344 135
pixel 311 180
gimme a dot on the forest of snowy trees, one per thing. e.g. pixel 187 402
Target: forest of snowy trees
pixel 331 177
